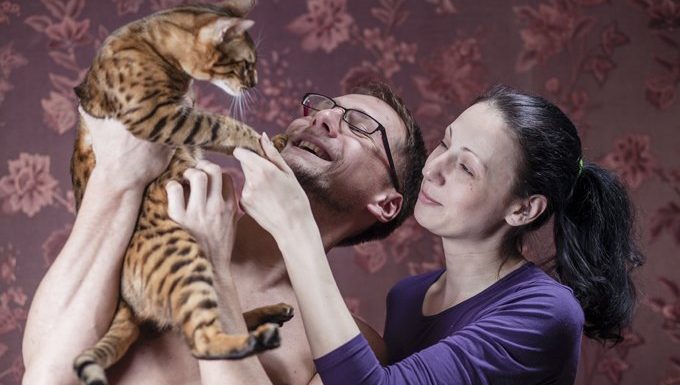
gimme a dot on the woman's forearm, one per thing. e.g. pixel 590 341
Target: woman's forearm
pixel 76 299
pixel 328 322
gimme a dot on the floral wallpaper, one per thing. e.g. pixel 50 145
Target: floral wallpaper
pixel 612 65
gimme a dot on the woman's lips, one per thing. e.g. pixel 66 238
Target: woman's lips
pixel 426 198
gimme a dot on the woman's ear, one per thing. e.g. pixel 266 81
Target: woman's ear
pixel 526 210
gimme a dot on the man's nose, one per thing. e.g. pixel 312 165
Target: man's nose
pixel 329 120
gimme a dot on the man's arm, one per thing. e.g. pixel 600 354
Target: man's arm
pixel 76 299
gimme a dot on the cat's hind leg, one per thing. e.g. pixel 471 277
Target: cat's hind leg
pixel 124 330
pixel 199 320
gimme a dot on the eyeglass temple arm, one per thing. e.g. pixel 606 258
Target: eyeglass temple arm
pixel 393 174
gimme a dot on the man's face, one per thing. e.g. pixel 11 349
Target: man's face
pixel 336 165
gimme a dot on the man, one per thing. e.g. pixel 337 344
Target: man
pixel 359 158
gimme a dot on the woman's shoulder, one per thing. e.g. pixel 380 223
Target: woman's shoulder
pixel 414 284
pixel 539 293
pixel 418 280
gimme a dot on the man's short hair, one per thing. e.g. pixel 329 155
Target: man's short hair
pixel 409 162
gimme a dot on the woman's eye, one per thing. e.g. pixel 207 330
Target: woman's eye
pixel 441 143
pixel 467 170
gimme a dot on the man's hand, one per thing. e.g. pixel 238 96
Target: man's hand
pixel 211 211
pixel 126 161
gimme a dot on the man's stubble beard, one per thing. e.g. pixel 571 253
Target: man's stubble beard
pixel 320 190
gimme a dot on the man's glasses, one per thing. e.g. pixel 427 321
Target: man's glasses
pixel 358 121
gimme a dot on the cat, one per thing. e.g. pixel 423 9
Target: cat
pixel 140 77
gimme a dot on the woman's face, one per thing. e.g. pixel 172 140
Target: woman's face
pixel 466 188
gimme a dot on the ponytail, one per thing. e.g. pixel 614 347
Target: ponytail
pixel 593 218
pixel 595 251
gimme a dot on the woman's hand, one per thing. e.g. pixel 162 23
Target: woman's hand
pixel 211 211
pixel 271 195
pixel 124 160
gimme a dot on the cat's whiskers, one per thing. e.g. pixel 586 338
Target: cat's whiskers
pixel 258 40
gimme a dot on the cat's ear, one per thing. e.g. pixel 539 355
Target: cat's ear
pixel 216 31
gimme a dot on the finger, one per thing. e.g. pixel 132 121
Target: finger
pixel 248 161
pixel 198 183
pixel 253 161
pixel 273 154
pixel 176 205
pixel 214 173
pixel 230 195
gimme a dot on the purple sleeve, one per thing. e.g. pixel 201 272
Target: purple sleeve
pixel 513 345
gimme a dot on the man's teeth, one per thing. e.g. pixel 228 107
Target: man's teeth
pixel 313 148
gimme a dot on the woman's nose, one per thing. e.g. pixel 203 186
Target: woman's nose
pixel 436 167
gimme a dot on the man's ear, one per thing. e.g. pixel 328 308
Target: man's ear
pixel 385 206
pixel 526 210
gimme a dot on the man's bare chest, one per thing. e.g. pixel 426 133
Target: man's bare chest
pixel 165 358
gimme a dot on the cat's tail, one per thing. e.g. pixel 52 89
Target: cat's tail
pixel 90 364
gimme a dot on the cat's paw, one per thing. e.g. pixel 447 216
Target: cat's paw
pixel 266 337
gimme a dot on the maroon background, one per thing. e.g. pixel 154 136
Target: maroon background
pixel 614 66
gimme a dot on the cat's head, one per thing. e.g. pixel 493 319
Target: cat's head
pixel 225 55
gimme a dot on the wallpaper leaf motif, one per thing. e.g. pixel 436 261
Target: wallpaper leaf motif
pixel 9 61
pixel 661 85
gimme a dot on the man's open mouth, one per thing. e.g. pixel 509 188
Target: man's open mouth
pixel 313 148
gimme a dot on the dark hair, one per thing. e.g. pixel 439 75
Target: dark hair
pixel 409 161
pixel 593 219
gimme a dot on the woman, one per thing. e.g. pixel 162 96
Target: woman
pixel 504 167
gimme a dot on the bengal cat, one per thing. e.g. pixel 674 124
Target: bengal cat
pixel 140 76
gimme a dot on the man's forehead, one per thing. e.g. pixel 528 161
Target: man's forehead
pixel 376 108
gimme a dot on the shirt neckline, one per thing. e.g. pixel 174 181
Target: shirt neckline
pixel 475 297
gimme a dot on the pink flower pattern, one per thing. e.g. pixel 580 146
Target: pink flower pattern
pixel 549 28
pixel 370 256
pixel 8 8
pixel 454 76
pixel 631 159
pixel 325 26
pixel 663 14
pixel 29 186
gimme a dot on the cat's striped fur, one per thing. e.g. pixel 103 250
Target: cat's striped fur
pixel 140 77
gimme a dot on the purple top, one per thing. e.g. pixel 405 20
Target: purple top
pixel 524 329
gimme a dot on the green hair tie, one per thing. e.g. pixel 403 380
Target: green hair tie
pixel 580 167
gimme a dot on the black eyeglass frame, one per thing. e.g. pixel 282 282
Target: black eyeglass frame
pixel 381 128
